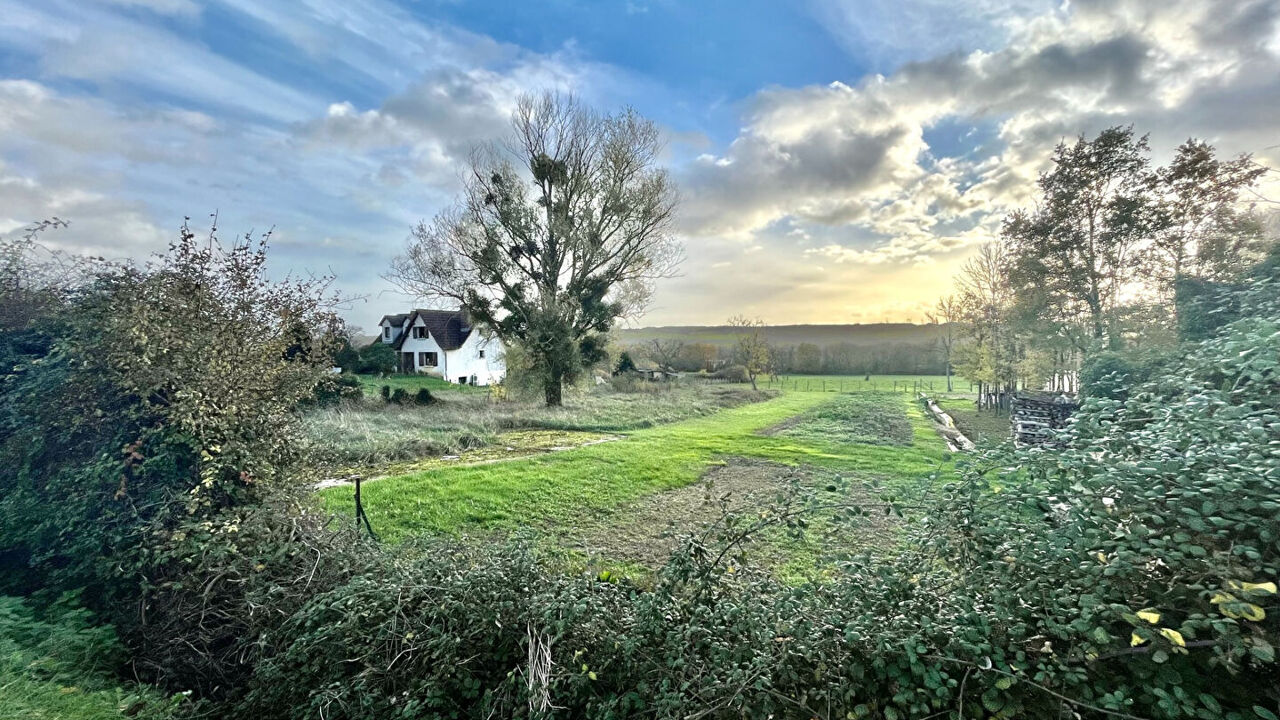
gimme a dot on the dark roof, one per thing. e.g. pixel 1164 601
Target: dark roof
pixel 447 327
pixel 395 320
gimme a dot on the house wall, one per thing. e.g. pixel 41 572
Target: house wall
pixel 426 344
pixel 466 361
pixel 382 333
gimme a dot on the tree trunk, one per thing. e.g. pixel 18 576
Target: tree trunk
pixel 553 392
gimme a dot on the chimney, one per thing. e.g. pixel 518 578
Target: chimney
pixel 466 317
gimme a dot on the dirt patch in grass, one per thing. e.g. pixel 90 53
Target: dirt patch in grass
pixel 871 418
pixel 647 531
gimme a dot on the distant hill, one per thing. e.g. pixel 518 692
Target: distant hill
pixel 723 335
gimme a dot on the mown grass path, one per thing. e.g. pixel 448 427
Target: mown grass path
pixel 559 489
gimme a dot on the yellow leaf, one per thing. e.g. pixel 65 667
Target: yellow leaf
pixel 1173 636
pixel 1135 641
pixel 1150 616
pixel 1101 558
pixel 1253 612
pixel 1221 597
pixel 1267 588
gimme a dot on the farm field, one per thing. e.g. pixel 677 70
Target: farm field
pixel 627 485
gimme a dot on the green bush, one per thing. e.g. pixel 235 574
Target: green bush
pixel 385 391
pixel 732 373
pixel 162 397
pixel 423 397
pixel 335 389
pixel 377 358
pixel 400 396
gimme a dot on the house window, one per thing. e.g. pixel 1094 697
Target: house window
pixel 386 332
pixel 481 354
pixel 419 332
pixel 426 359
pixel 462 380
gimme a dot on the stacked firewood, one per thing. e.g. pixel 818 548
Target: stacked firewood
pixel 1035 418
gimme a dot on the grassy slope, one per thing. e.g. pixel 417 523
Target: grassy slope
pixel 555 489
pixel 54 670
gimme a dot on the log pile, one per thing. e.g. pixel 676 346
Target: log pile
pixel 1034 418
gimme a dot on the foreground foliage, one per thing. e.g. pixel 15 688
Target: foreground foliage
pixel 57 665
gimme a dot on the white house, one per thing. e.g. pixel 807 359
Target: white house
pixel 444 343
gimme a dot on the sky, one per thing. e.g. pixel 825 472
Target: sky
pixel 837 161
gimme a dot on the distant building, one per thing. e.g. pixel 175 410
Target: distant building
pixel 444 343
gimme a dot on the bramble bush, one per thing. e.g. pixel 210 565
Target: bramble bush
pixel 140 403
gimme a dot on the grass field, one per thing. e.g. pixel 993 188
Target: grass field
pixel 559 490
pixel 371 432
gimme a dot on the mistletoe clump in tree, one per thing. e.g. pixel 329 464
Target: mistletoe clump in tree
pixel 558 233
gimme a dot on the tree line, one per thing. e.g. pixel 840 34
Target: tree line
pixel 806 358
pixel 1102 264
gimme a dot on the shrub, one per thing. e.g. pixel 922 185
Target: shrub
pixel 423 397
pixel 166 396
pixel 337 388
pixel 732 373
pixel 1109 374
pixel 400 396
pixel 385 391
pixel 377 358
pixel 625 364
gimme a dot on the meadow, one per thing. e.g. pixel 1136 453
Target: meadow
pixel 371 432
pixel 866 438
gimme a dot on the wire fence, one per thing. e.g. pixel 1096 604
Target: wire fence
pixel 839 385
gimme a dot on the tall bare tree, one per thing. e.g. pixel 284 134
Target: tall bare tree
pixel 666 352
pixel 752 348
pixel 945 315
pixel 559 231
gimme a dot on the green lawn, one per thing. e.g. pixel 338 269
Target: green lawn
pixel 372 384
pixel 560 488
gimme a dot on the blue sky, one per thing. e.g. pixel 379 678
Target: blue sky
pixel 837 160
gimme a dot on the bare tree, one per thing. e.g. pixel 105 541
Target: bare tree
pixel 666 352
pixel 946 314
pixel 752 349
pixel 558 233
